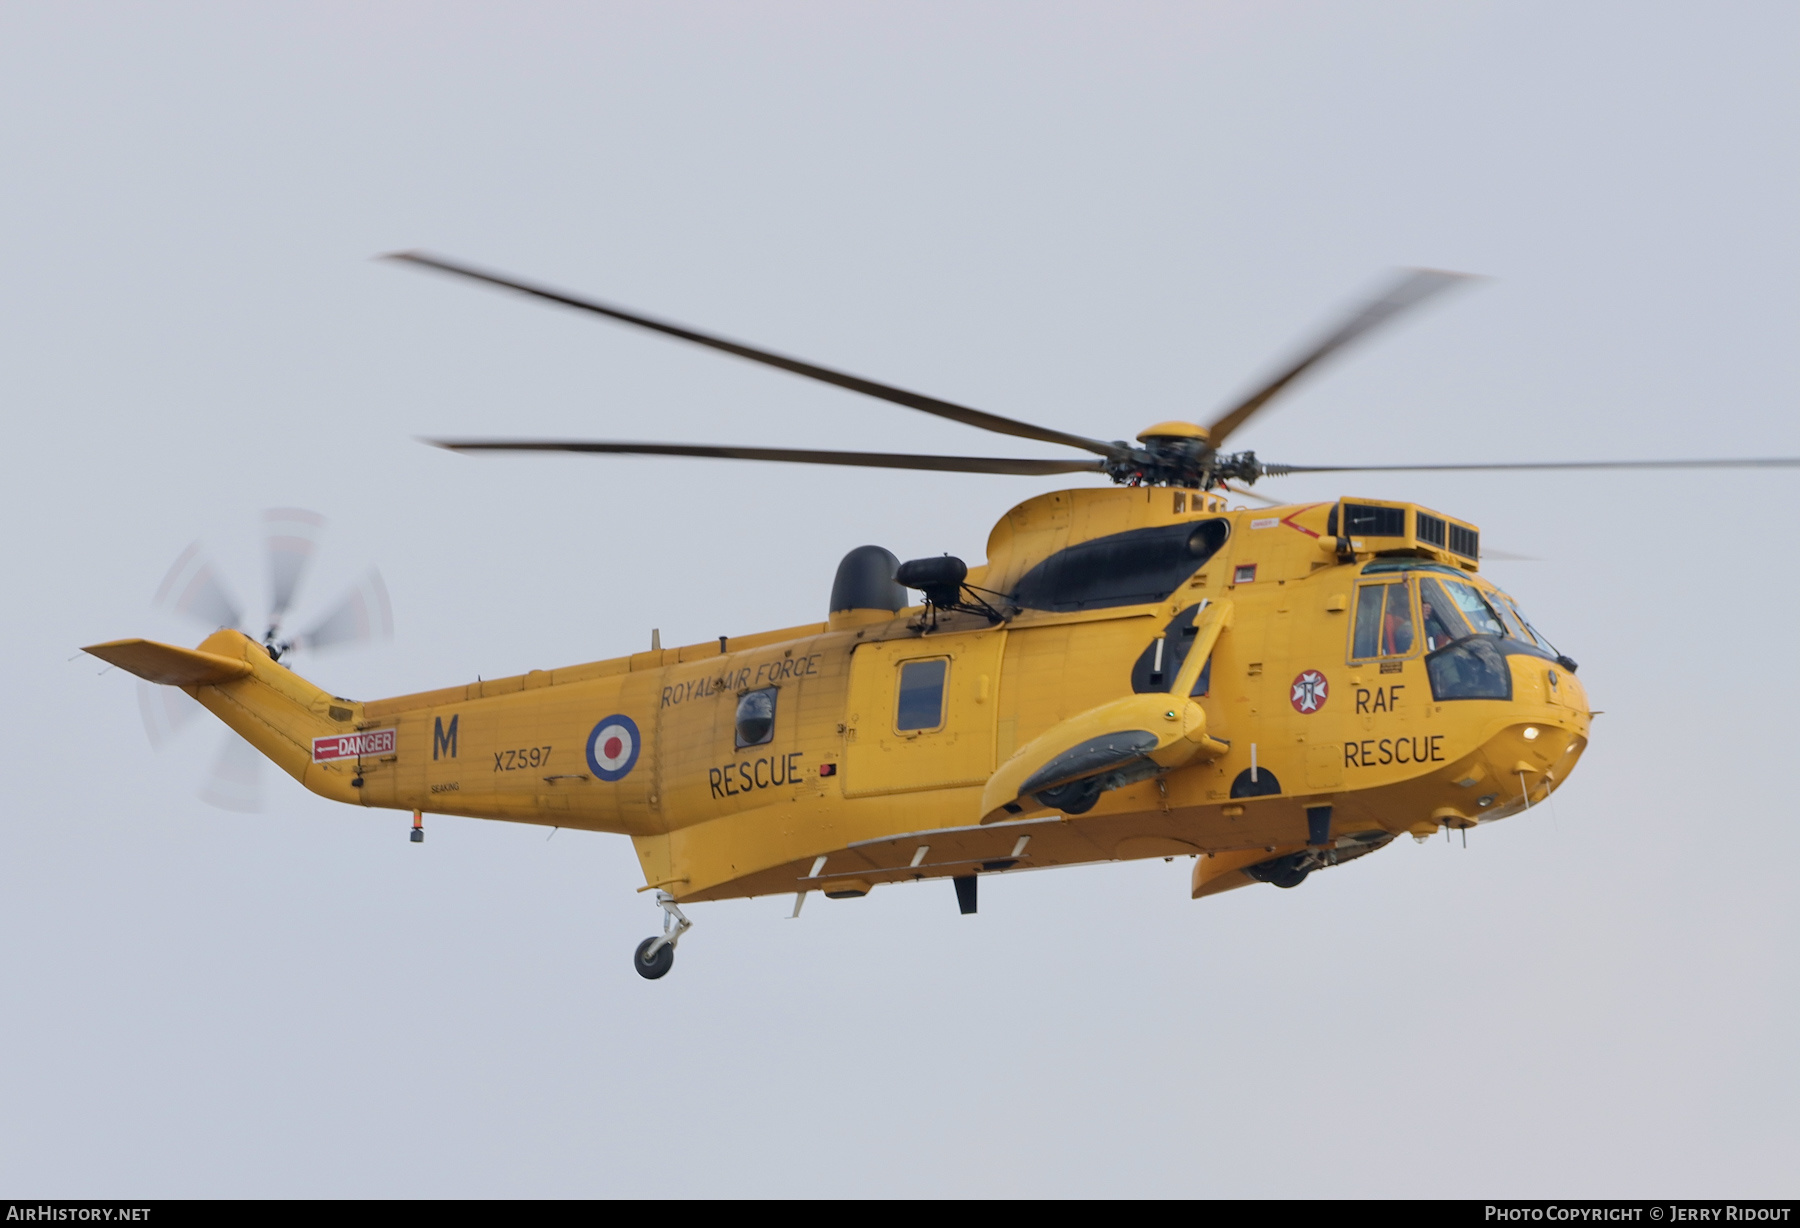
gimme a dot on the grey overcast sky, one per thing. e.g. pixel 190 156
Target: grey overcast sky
pixel 1098 216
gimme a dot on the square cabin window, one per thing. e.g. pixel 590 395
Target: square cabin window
pixel 921 704
pixel 1245 574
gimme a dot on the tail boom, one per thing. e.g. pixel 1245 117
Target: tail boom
pixel 278 712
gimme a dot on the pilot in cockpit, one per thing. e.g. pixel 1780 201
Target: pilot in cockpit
pixel 1439 618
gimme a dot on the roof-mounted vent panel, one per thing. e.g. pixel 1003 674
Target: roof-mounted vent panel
pixel 1370 527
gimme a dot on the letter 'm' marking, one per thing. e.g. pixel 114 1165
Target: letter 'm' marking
pixel 442 739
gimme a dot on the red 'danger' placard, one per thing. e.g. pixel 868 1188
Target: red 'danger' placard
pixel 352 745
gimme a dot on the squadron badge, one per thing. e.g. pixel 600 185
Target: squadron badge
pixel 1309 692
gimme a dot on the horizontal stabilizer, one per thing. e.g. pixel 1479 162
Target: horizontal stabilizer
pixel 168 664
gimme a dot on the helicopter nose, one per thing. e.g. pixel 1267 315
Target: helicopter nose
pixel 1525 750
pixel 1536 746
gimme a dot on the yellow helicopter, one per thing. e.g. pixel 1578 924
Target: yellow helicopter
pixel 1135 670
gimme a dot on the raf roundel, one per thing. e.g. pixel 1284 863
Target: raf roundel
pixel 612 748
pixel 1309 691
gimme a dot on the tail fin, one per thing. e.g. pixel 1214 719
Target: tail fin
pixel 273 708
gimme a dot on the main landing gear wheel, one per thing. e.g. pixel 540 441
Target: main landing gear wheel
pixel 655 956
pixel 1077 797
pixel 654 964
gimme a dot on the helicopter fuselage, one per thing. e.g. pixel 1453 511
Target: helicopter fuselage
pixel 871 737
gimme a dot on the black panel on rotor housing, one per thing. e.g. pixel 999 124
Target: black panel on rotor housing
pixel 865 581
pixel 1131 568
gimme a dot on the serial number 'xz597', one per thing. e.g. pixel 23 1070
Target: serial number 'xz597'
pixel 519 760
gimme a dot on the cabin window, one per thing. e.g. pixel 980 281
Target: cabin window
pixel 756 718
pixel 1384 621
pixel 921 705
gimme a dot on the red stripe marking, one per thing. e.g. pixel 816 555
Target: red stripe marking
pixel 1289 520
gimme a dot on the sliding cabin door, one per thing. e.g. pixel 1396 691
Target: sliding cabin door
pixel 921 713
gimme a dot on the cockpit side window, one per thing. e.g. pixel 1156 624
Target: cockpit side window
pixel 1384 621
pixel 1368 621
pixel 1465 665
pixel 1531 632
pixel 1510 609
pixel 1443 625
pixel 1506 616
pixel 1397 621
pixel 1475 608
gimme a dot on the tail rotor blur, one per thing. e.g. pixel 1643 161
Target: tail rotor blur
pixel 362 616
pixel 195 590
pixel 291 536
pixel 166 711
pixel 235 781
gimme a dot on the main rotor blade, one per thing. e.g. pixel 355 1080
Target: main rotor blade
pixel 1413 287
pixel 292 537
pixel 798 456
pixel 1765 462
pixel 885 392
